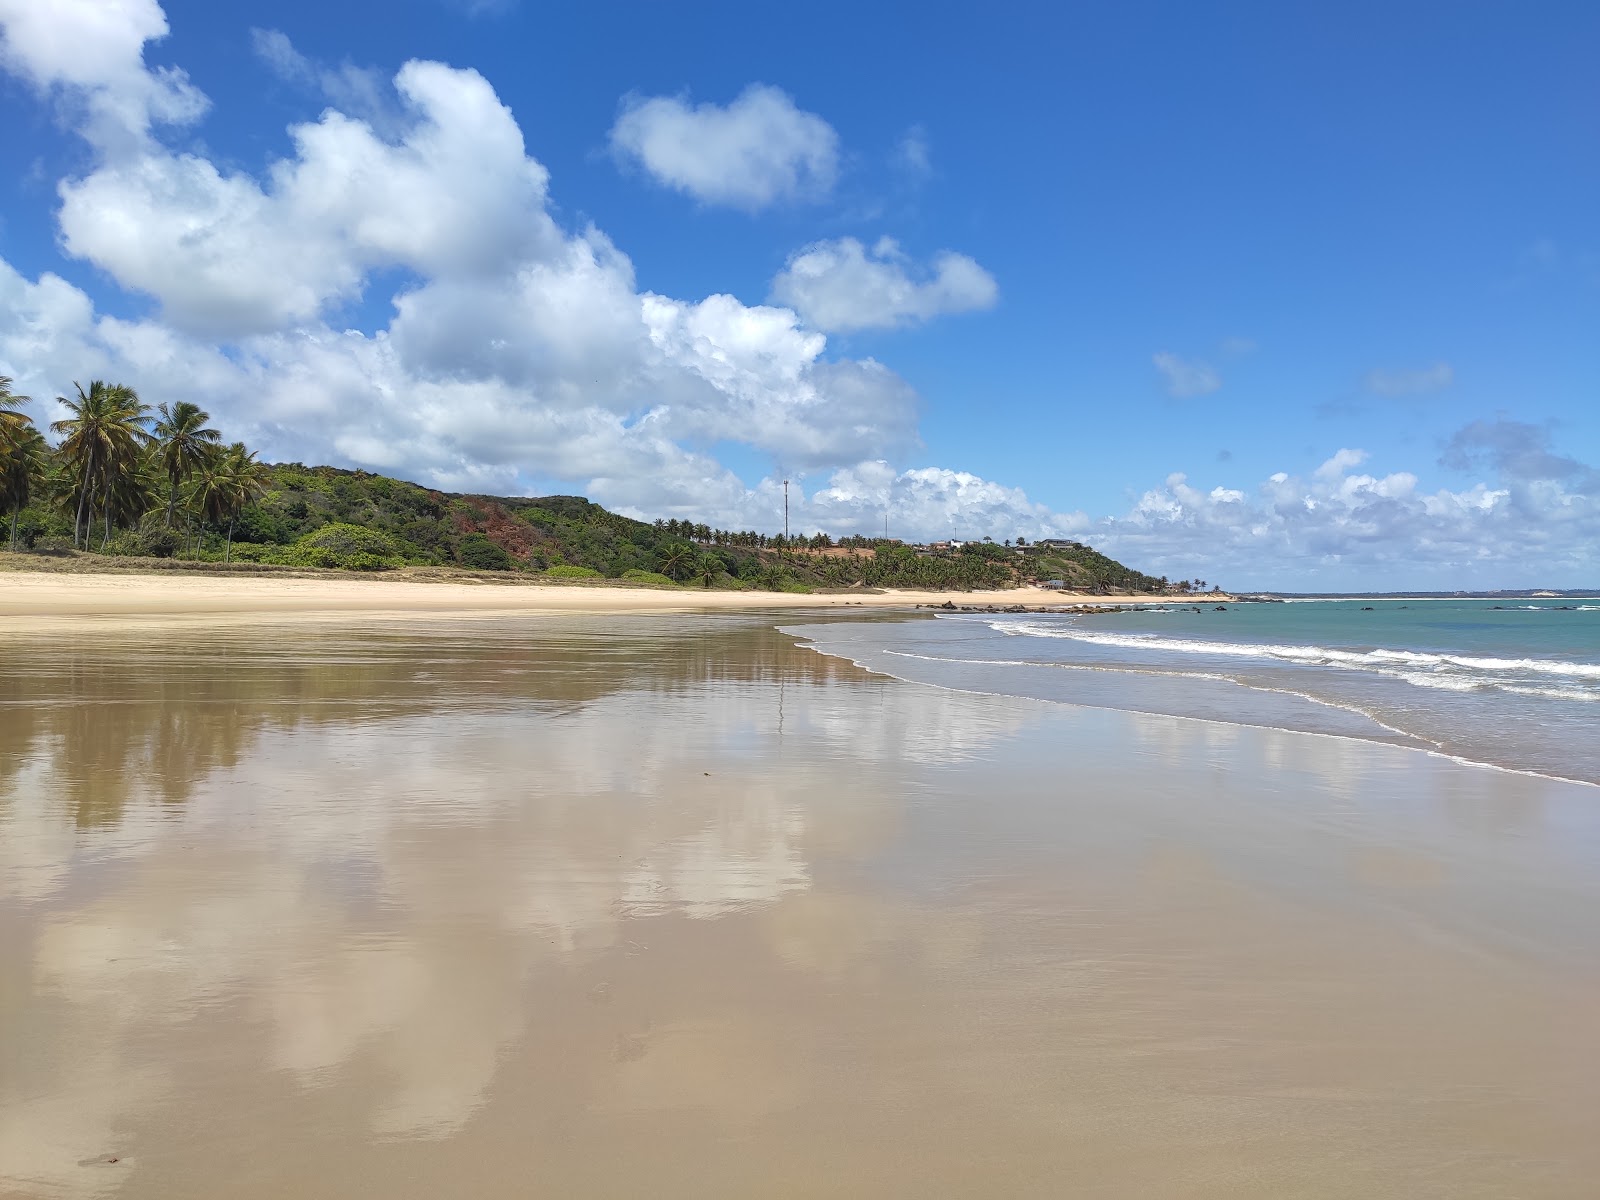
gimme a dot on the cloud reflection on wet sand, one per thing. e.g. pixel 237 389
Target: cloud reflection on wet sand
pixel 421 910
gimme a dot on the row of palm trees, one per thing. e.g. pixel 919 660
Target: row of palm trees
pixel 118 460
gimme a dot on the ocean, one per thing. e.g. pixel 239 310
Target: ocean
pixel 1507 683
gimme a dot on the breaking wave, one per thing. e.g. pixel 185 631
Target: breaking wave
pixel 1451 672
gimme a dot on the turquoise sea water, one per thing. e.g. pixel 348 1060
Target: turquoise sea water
pixel 1508 683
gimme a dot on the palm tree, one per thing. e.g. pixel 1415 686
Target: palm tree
pixel 135 490
pixel 101 441
pixel 183 441
pixel 225 484
pixel 676 557
pixel 248 481
pixel 11 415
pixel 211 490
pixel 23 455
pixel 708 568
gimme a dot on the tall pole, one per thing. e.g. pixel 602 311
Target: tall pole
pixel 786 512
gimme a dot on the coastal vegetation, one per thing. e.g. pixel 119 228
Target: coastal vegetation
pixel 128 480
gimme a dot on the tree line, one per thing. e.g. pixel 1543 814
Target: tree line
pixel 120 463
pixel 166 480
pixel 749 539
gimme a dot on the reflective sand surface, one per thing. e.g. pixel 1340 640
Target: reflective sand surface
pixel 666 906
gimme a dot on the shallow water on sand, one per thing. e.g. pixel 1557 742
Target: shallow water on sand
pixel 1514 685
pixel 669 906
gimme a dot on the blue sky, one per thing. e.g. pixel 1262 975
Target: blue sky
pixel 1338 266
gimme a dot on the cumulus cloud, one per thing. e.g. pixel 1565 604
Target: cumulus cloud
pixel 931 503
pixel 500 424
pixel 227 255
pixel 839 286
pixel 89 55
pixel 757 151
pixel 1418 382
pixel 1537 521
pixel 1185 378
pixel 522 353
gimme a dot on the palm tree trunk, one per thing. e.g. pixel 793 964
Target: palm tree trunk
pixel 106 541
pixel 83 497
pixel 15 509
pixel 227 555
pixel 172 500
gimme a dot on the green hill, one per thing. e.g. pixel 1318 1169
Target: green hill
pixel 1083 568
pixel 332 518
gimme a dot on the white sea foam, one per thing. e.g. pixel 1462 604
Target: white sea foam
pixel 1378 658
pixel 1461 745
pixel 1063 666
pixel 1557 693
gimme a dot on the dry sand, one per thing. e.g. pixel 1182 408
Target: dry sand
pixel 28 599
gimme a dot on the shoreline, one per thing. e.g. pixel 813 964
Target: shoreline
pixel 35 600
pixel 1416 744
pixel 682 888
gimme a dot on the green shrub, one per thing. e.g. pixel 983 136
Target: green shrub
pixel 570 572
pixel 157 542
pixel 479 553
pixel 653 578
pixel 337 546
pixel 342 539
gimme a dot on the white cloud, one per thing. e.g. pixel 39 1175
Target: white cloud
pixel 361 92
pixel 840 285
pixel 757 151
pixel 1419 382
pixel 1516 450
pixel 90 55
pixel 228 255
pixel 913 155
pixel 1185 378
pixel 273 47
pixel 1537 522
pixel 929 503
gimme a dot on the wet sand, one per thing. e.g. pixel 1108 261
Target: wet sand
pixel 664 905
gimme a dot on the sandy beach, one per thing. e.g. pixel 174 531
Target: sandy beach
pixel 31 598
pixel 664 904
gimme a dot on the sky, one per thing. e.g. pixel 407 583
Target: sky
pixel 1278 295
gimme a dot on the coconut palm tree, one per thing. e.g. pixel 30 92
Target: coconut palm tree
pixel 676 559
pixel 708 568
pixel 225 484
pixel 11 415
pixel 101 441
pixel 210 490
pixel 248 481
pixel 183 441
pixel 23 456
